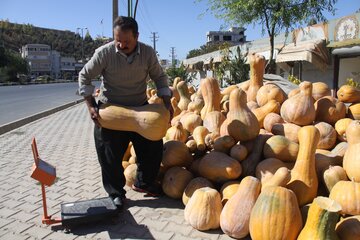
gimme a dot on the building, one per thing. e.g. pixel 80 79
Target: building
pixel 235 35
pixel 55 64
pixel 326 52
pixel 67 67
pixel 38 57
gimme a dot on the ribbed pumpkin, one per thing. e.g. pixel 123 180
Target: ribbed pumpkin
pixel 175 181
pixel 228 190
pixel 219 167
pixel 349 228
pixel 270 92
pixel 329 109
pixel 328 135
pixel 320 89
pixel 351 162
pixel 257 68
pixel 177 133
pixel 300 109
pixel 348 94
pixel 203 210
pixel 321 220
pixel 235 216
pixel 150 121
pixel 193 185
pixel 240 123
pixel 275 215
pixel 347 194
pixel 304 181
pixel 211 93
pixel 281 148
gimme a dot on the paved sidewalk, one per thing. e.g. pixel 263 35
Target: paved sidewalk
pixel 65 140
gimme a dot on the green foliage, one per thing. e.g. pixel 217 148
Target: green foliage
pixel 11 65
pixel 14 36
pixel 294 79
pixel 173 72
pixel 207 48
pixel 234 64
pixel 273 15
pixel 351 82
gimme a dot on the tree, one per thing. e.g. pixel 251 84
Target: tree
pixel 273 15
pixel 174 72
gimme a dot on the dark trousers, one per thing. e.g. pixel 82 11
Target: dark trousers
pixel 111 146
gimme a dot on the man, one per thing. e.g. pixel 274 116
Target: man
pixel 125 65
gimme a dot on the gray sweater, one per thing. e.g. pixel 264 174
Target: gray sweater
pixel 124 77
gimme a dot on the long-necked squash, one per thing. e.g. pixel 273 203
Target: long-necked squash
pixel 257 69
pixel 211 93
pixel 304 181
pixel 272 106
pixel 329 109
pixel 184 95
pixel 241 123
pixel 351 162
pixel 281 148
pixel 150 121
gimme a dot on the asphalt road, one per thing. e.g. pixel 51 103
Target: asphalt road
pixel 22 101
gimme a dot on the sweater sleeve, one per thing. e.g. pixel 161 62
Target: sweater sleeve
pixel 92 69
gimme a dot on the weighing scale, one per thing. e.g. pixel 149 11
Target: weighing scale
pixel 73 213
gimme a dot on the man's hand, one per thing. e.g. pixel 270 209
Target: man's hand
pixel 93 110
pixel 167 104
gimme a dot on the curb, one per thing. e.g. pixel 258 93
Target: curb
pixel 21 122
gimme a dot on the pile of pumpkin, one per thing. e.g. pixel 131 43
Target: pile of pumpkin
pixel 251 159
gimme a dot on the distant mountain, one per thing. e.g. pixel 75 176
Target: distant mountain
pixel 13 36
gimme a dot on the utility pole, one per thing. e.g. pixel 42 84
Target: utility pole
pixel 154 39
pixel 115 13
pixel 130 8
pixel 173 56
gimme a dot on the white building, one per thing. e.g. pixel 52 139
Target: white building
pixel 235 35
pixel 38 57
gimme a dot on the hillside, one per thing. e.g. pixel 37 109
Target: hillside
pixel 68 43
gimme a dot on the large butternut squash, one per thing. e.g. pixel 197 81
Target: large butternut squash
pixel 321 220
pixel 235 216
pixel 300 109
pixel 240 123
pixel 304 181
pixel 275 215
pixel 150 121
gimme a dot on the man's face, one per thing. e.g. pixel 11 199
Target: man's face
pixel 125 40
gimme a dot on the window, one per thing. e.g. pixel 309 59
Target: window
pixel 216 38
pixel 227 38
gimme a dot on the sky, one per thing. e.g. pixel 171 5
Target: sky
pixel 181 24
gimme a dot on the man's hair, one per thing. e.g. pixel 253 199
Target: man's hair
pixel 126 23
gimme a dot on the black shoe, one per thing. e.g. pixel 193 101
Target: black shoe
pixel 119 202
pixel 151 191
